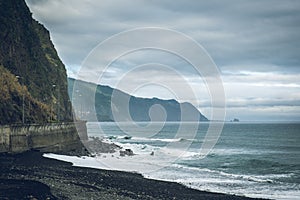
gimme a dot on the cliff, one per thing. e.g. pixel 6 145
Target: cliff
pixel 33 78
pixel 12 96
pixel 138 107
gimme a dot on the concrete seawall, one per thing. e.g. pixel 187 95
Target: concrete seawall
pixel 54 137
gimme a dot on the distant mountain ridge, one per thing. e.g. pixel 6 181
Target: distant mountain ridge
pixel 138 107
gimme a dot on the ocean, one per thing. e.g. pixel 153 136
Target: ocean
pixel 250 159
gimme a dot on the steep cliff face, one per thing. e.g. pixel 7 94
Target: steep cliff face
pixel 27 52
pixel 12 97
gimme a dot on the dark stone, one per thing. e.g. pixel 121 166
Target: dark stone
pixel 127 152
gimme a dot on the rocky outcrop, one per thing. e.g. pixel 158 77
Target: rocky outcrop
pixel 126 152
pixel 97 146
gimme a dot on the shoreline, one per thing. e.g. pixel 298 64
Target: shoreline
pixel 54 179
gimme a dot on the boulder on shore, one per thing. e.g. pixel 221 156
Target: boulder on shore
pixel 127 152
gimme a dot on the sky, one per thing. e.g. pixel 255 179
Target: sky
pixel 255 46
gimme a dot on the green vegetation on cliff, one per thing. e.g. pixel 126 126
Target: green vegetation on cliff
pixel 27 52
pixel 82 93
pixel 12 95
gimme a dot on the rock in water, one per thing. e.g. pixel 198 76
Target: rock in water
pixel 127 152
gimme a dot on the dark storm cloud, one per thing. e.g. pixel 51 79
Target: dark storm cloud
pixel 254 31
pixel 233 32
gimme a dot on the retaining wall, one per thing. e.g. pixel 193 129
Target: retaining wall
pixel 54 137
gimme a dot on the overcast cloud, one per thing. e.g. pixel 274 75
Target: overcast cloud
pixel 255 45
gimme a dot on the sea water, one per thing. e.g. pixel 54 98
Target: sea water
pixel 250 159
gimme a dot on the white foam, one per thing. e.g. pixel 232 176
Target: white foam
pixel 147 139
pixel 156 139
pixel 217 181
pixel 147 158
pixel 198 178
